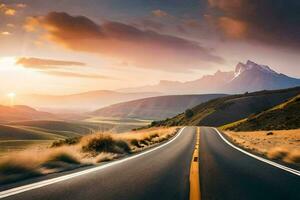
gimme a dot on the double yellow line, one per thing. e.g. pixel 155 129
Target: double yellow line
pixel 194 172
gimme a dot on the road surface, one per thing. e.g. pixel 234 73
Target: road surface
pixel 226 173
pixel 160 174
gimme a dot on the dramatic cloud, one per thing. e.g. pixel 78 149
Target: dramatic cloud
pixel 273 22
pixel 38 63
pixel 122 42
pixel 74 74
pixel 159 13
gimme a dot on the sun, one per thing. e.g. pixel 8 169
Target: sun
pixel 7 62
pixel 11 97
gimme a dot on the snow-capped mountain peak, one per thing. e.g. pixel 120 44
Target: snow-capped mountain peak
pixel 250 65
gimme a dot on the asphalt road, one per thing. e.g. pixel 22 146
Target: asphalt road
pixel 226 173
pixel 160 174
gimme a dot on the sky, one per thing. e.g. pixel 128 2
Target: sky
pixel 71 46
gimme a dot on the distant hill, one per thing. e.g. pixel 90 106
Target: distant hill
pixel 155 107
pixel 82 102
pixel 19 113
pixel 229 109
pixel 247 77
pixel 281 117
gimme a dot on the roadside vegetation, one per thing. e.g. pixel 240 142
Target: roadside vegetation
pixel 79 151
pixel 230 109
pixel 284 116
pixel 283 145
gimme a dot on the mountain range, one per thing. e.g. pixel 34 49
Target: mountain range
pixel 247 77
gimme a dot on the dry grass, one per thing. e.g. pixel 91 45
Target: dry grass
pixel 281 145
pixel 90 149
pixel 33 162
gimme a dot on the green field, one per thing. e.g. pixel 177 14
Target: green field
pixel 16 136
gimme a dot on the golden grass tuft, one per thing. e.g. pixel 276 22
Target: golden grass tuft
pixel 277 153
pixel 93 148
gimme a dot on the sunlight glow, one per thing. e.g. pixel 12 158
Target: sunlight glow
pixel 7 62
pixel 11 97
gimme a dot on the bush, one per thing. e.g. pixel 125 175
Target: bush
pixel 105 143
pixel 68 141
pixel 60 160
pixel 135 143
pixel 188 113
pixel 13 170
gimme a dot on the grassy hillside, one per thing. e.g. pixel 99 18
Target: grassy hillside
pixel 282 117
pixel 81 128
pixel 155 107
pixel 36 133
pixel 16 113
pixel 229 109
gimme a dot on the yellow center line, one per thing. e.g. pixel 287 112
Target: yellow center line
pixel 194 172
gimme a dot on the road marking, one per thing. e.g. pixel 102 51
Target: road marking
pixel 40 184
pixel 194 172
pixel 293 171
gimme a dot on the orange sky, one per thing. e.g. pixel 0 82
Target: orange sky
pixel 55 47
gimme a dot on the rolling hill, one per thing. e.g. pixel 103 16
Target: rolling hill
pixel 155 107
pixel 225 110
pixel 19 113
pixel 282 117
pixel 82 102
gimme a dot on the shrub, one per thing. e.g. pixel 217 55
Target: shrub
pixel 68 141
pixel 61 159
pixel 188 113
pixel 14 170
pixel 105 143
pixel 135 143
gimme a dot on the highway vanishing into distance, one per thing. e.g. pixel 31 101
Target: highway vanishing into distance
pixel 163 172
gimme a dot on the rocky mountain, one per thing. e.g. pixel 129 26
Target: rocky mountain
pixel 247 77
pixel 253 77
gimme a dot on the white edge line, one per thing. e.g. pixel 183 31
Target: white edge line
pixel 17 190
pixel 293 171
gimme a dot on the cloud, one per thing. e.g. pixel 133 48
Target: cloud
pixel 10 11
pixel 7 10
pixel 39 63
pixel 74 74
pixel 5 33
pixel 123 43
pixel 159 13
pixel 21 5
pixel 274 22
pixel 233 27
pixel 53 67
